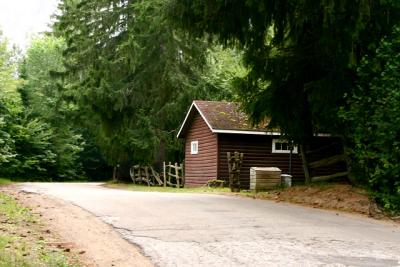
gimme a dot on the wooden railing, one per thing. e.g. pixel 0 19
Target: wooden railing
pixel 172 175
pixel 145 174
pixel 310 166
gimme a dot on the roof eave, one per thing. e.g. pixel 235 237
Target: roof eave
pixel 184 121
pixel 187 116
pixel 273 133
pixel 245 132
pixel 224 131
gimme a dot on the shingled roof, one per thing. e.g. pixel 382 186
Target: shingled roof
pixel 222 117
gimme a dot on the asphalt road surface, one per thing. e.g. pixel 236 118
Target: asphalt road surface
pixel 181 229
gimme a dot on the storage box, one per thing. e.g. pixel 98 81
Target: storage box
pixel 262 178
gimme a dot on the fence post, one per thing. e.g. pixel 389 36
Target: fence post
pixel 177 175
pixel 183 175
pixel 133 174
pixel 140 173
pixel 169 171
pixel 234 164
pixel 165 174
pixel 146 172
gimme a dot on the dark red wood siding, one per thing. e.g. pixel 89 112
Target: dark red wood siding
pixel 257 151
pixel 201 167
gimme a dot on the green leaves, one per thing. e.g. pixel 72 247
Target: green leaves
pixel 36 141
pixel 302 58
pixel 33 147
pixel 301 55
pixel 373 117
pixel 133 75
pixel 10 102
pixel 56 146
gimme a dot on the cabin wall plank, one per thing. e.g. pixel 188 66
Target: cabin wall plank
pixel 201 167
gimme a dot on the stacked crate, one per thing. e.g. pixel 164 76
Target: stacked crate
pixel 263 178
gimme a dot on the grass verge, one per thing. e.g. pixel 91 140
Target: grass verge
pixel 22 241
pixel 144 188
pixel 4 181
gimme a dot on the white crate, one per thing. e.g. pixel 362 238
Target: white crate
pixel 262 178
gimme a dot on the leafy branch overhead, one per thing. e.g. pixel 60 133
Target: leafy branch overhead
pixel 301 55
pixel 373 122
pixel 132 74
pixel 112 82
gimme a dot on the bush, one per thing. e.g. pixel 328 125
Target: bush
pixel 373 116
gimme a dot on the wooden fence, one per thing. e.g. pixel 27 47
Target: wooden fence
pixel 310 166
pixel 145 174
pixel 172 175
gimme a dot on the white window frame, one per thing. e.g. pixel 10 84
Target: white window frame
pixel 194 147
pixel 274 150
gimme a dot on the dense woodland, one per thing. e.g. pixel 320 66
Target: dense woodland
pixel 112 82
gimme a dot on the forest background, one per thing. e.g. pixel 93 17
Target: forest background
pixel 112 81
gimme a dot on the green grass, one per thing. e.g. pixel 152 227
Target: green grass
pixel 12 212
pixel 4 181
pixel 18 247
pixel 144 188
pixel 203 189
pixel 16 252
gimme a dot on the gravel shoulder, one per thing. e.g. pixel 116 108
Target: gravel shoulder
pixel 95 241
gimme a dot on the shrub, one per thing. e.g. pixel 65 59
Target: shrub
pixel 373 117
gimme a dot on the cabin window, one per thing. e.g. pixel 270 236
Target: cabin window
pixel 282 146
pixel 194 147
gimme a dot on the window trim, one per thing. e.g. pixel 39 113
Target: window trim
pixel 194 151
pixel 274 150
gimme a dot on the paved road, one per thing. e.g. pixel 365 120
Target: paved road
pixel 213 230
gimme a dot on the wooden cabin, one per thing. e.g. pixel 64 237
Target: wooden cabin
pixel 213 128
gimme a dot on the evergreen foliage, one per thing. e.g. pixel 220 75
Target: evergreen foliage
pixel 10 104
pixel 37 140
pixel 43 102
pixel 111 89
pixel 303 58
pixel 114 82
pixel 25 146
pixel 301 55
pixel 373 122
pixel 132 76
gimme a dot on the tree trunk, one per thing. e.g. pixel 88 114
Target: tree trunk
pixel 305 163
pixel 160 156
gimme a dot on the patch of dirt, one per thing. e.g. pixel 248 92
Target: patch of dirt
pixel 338 197
pixel 341 197
pixel 81 233
pixel 27 241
